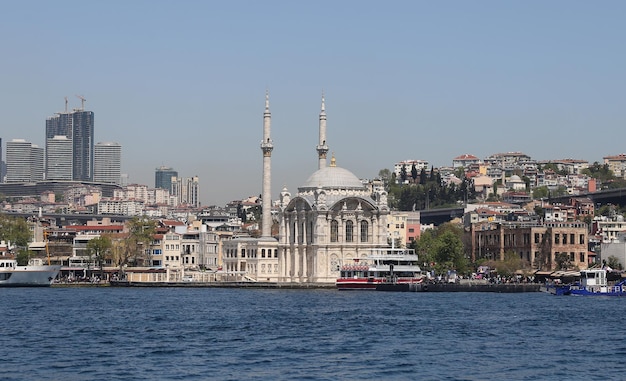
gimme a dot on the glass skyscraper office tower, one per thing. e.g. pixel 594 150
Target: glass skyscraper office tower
pixel 78 126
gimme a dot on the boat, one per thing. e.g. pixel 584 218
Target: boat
pixel 381 266
pixel 34 274
pixel 593 282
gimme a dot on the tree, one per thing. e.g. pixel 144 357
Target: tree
pixel 512 262
pixel 450 249
pixel 614 263
pixel 413 172
pixel 385 176
pixel 442 247
pixel 423 176
pixel 563 261
pixel 98 248
pixel 541 192
pixel 403 174
pixel 14 230
pixel 135 246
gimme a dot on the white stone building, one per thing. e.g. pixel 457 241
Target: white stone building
pixel 332 219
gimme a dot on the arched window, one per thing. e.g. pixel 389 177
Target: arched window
pixel 364 231
pixel 349 231
pixel 334 231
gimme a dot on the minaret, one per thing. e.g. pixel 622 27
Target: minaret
pixel 322 148
pixel 267 147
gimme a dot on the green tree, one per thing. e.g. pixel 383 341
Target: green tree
pixel 541 192
pixel 599 171
pixel 385 176
pixel 15 230
pixel 98 248
pixel 423 176
pixel 563 261
pixel 442 247
pixel 413 172
pixel 136 244
pixel 403 174
pixel 512 262
pixel 450 250
pixel 614 263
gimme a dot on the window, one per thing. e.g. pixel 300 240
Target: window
pixel 349 230
pixel 263 254
pixel 364 231
pixel 334 231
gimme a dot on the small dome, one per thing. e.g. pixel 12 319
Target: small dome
pixel 334 178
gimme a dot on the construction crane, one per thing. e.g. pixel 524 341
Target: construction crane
pixel 65 104
pixel 82 102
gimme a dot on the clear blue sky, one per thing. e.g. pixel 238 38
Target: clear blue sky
pixel 182 83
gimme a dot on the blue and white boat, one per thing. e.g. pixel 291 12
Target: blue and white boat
pixel 593 282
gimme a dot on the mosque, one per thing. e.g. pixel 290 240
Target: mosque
pixel 332 219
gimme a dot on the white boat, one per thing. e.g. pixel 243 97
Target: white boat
pixel 34 274
pixel 381 266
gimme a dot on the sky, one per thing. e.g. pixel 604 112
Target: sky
pixel 182 83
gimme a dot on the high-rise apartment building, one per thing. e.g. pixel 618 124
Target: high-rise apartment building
pixel 77 125
pixel 59 158
pixel 24 161
pixel 163 178
pixel 107 163
pixel 1 163
pixel 186 190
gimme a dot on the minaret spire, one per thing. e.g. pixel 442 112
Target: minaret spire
pixel 322 148
pixel 267 147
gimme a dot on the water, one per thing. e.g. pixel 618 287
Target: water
pixel 236 334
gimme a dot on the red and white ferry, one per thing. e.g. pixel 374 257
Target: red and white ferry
pixel 382 265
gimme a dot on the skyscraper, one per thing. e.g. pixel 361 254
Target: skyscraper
pixel 163 178
pixel 59 158
pixel 186 190
pixel 24 161
pixel 107 163
pixel 77 125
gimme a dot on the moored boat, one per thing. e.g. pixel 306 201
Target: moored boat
pixel 593 282
pixel 380 266
pixel 34 274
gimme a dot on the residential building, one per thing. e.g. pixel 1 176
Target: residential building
pixel 396 228
pixel 465 161
pixel 408 166
pixel 186 190
pixel 617 164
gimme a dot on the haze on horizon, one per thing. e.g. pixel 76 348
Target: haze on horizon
pixel 182 84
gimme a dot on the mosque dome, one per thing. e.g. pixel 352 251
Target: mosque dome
pixel 333 178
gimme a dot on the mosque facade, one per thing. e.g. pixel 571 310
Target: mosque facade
pixel 333 219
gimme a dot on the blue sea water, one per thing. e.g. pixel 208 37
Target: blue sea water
pixel 262 334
